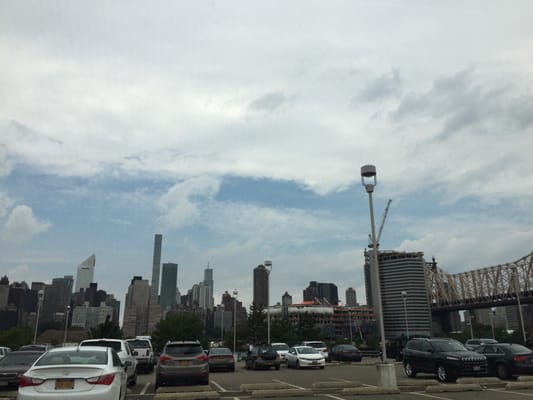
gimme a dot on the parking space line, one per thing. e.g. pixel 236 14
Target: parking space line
pixel 334 397
pixel 287 383
pixel 145 388
pixel 510 391
pixel 431 396
pixel 220 388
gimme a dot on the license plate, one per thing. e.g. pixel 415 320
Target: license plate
pixel 62 384
pixel 315 362
pixel 184 362
pixel 477 367
pixel 268 362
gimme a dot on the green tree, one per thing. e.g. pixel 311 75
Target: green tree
pixel 306 328
pixel 178 327
pixel 16 337
pixel 256 324
pixel 108 329
pixel 283 331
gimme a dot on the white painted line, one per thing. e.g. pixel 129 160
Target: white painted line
pixel 431 396
pixel 220 388
pixel 287 383
pixel 339 379
pixel 334 397
pixel 511 391
pixel 145 388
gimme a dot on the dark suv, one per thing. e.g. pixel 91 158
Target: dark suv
pixel 262 356
pixel 182 361
pixel 447 358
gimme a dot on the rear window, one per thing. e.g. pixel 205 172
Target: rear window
pixel 140 344
pixel 74 358
pixel 180 349
pixel 104 343
pixel 316 344
pixel 221 351
pixel 280 347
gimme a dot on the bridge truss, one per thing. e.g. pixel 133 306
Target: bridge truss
pixel 485 287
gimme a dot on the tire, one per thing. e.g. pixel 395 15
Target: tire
pixel 277 367
pixel 204 381
pixel 297 364
pixel 321 367
pixel 502 371
pixel 255 366
pixel 133 381
pixel 409 370
pixel 157 382
pixel 444 374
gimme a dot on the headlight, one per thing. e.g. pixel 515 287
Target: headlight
pixel 452 358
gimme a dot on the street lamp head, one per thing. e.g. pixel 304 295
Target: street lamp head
pixel 368 177
pixel 268 265
pixel 235 293
pixel 403 293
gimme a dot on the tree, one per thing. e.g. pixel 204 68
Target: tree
pixel 306 328
pixel 257 327
pixel 178 327
pixel 108 329
pixel 16 337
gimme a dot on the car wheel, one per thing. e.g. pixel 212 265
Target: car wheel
pixel 297 364
pixel 133 380
pixel 409 371
pixel 277 367
pixel 502 371
pixel 157 382
pixel 443 374
pixel 321 367
pixel 255 366
pixel 204 381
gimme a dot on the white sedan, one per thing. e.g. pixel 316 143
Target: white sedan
pixel 304 357
pixel 81 373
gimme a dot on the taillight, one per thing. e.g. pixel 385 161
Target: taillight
pixel 101 380
pixel 164 359
pixel 519 358
pixel 27 381
pixel 202 357
pixel 229 357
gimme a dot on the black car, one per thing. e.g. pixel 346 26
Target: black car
pixel 14 364
pixel 344 352
pixel 507 359
pixel 262 356
pixel 447 358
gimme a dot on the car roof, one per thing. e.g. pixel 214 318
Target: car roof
pixel 79 348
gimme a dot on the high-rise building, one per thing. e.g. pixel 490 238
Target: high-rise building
pixel 158 240
pixel 351 297
pixel 57 297
pixel 261 286
pixel 169 279
pixel 85 274
pixel 136 310
pixel 400 272
pixel 321 291
pixel 286 301
pixel 208 281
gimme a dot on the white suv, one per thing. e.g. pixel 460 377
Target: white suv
pixel 142 345
pixel 124 351
pixel 318 346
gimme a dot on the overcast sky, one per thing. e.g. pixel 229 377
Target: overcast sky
pixel 237 129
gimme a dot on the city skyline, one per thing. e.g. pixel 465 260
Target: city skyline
pixel 238 132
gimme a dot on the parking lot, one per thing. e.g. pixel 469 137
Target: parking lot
pixel 337 381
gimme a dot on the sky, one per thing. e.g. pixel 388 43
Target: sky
pixel 237 130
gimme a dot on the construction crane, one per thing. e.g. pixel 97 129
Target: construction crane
pixel 380 227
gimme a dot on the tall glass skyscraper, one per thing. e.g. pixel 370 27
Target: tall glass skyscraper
pixel 158 240
pixel 169 280
pixel 85 275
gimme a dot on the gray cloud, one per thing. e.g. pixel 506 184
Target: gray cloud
pixel 269 102
pixel 387 85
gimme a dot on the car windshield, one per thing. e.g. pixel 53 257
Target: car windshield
pixel 316 344
pixel 347 347
pixel 183 349
pixel 139 344
pixel 73 357
pixel 452 345
pixel 306 350
pixel 280 346
pixel 22 358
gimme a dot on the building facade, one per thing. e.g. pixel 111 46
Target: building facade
pixel 351 297
pixel 156 266
pixel 169 280
pixel 261 295
pixel 85 273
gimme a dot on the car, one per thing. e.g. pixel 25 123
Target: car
pixel 124 351
pixel 507 360
pixel 262 356
pixel 282 349
pixel 345 352
pixel 4 351
pixel 447 358
pixel 145 353
pixel 35 347
pixel 221 358
pixel 182 361
pixel 318 345
pixel 80 372
pixel 305 357
pixel 471 344
pixel 14 364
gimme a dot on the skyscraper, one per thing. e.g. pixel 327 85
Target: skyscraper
pixel 351 297
pixel 169 279
pixel 156 267
pixel 321 291
pixel 208 281
pixel 261 286
pixel 85 274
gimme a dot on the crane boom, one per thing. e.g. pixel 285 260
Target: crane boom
pixel 381 226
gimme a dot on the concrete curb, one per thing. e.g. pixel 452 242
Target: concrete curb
pixel 466 387
pixel 370 390
pixel 519 385
pixel 182 389
pixel 187 395
pixel 250 387
pixel 480 381
pixel 282 393
pixel 525 378
pixel 336 385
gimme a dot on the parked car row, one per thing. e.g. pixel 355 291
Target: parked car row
pixel 449 359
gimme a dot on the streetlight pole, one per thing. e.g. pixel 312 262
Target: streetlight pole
pixel 66 326
pixel 40 296
pixel 268 266
pixel 517 291
pixel 235 293
pixel 404 297
pixel 386 371
pixel 222 324
pixel 350 321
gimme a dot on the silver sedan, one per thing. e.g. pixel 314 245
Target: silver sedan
pixel 305 357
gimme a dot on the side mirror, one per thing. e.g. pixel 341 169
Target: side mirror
pixel 127 364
